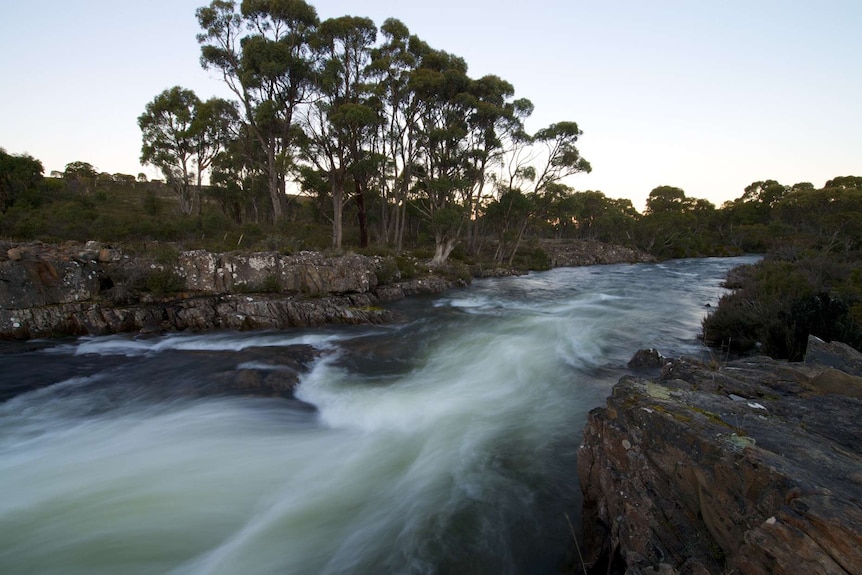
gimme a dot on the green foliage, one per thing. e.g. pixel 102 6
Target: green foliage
pixel 20 178
pixel 388 272
pixel 779 303
pixel 532 258
pixel 456 271
pixel 396 268
pixel 163 282
pixel 164 254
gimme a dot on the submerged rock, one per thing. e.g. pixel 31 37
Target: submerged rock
pixel 752 467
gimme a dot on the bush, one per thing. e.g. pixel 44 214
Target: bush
pixel 780 303
pixel 163 282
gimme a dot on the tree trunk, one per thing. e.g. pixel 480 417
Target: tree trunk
pixel 363 216
pixel 442 248
pixel 518 241
pixel 274 188
pixel 337 214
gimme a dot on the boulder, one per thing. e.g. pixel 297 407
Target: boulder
pixel 836 355
pixel 646 359
pixel 752 467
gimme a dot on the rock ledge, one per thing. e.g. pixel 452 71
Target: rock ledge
pixel 752 467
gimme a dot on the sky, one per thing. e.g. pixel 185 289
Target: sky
pixel 705 96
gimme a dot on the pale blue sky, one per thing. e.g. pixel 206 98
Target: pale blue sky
pixel 706 96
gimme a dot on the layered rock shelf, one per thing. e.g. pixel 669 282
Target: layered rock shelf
pixel 48 291
pixel 749 467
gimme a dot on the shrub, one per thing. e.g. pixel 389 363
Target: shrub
pixel 778 304
pixel 163 282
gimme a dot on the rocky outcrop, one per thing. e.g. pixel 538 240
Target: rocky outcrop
pixel 74 289
pixel 569 253
pixel 309 273
pixel 751 467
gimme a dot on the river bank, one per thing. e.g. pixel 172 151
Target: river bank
pixel 95 289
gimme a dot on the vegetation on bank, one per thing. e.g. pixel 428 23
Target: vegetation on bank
pixel 810 282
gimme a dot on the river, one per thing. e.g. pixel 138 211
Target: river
pixel 444 443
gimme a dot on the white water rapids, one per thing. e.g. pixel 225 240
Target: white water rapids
pixel 443 444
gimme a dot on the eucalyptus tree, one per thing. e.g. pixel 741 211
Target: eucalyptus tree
pixel 344 115
pixel 393 63
pixel 264 57
pixel 239 184
pixel 460 122
pixel 443 169
pixel 494 120
pixel 18 175
pixel 167 130
pixel 213 129
pixel 535 166
pixel 181 136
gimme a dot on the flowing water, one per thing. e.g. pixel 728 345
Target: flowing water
pixel 445 443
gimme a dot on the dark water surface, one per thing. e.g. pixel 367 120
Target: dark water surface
pixel 443 444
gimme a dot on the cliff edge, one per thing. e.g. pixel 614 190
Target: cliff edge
pixel 752 467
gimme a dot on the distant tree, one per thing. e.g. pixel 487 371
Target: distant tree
pixel 845 183
pixel 104 178
pixel 18 175
pixel 181 136
pixel 667 199
pixel 802 187
pixel 167 128
pixel 142 178
pixel 80 176
pixel 79 171
pixel 124 178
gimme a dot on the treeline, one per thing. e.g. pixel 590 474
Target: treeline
pixel 810 281
pixel 786 220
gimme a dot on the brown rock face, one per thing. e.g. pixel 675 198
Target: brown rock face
pixel 746 468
